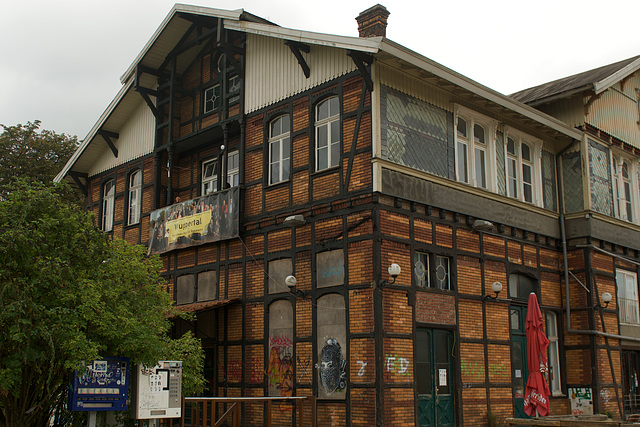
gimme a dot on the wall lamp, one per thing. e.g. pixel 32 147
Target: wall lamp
pixel 394 271
pixel 291 281
pixel 606 298
pixel 495 287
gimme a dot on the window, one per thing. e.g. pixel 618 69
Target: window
pixel 622 184
pixel 327 133
pixel 473 148
pixel 279 149
pixel 135 186
pixel 212 98
pixel 432 271
pixel 627 283
pixel 233 168
pixel 209 177
pixel 554 353
pixel 520 286
pixel 520 169
pixel 108 196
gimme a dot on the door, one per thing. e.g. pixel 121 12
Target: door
pixel 519 370
pixel 630 378
pixel 433 378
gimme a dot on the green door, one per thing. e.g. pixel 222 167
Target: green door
pixel 519 370
pixel 433 378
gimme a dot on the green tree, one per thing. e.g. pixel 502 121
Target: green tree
pixel 68 294
pixel 32 154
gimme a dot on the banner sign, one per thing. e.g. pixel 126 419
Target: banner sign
pixel 197 221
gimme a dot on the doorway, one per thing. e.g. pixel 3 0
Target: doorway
pixel 434 381
pixel 519 370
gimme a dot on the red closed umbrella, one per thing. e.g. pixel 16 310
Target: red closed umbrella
pixel 536 396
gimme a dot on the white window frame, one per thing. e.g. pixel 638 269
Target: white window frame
pixel 555 379
pixel 108 199
pixel 278 142
pixel 233 168
pixel 473 147
pixel 623 202
pixel 627 293
pixel 535 163
pixel 209 177
pixel 329 143
pixel 135 196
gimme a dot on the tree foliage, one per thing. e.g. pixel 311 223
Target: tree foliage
pixel 68 294
pixel 32 154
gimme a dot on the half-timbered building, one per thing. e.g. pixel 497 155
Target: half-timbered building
pixel 280 173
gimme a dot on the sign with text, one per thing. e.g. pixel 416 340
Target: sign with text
pixel 197 221
pixel 102 386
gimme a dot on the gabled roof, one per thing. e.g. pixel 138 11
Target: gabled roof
pixel 597 80
pixel 178 21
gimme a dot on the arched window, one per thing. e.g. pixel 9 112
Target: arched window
pixel 332 347
pixel 279 149
pixel 108 196
pixel 135 194
pixel 280 365
pixel 327 133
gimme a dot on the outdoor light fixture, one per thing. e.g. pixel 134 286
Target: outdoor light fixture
pixel 482 225
pixel 291 281
pixel 394 271
pixel 495 287
pixel 294 220
pixel 606 298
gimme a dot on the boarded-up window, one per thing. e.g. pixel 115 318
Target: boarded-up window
pixel 280 368
pixel 330 268
pixel 186 286
pixel 332 347
pixel 207 286
pixel 278 271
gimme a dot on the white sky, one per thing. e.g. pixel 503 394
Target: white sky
pixel 61 60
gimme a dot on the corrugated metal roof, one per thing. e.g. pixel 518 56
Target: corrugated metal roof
pixel 597 79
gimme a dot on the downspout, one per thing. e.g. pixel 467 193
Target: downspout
pixel 563 236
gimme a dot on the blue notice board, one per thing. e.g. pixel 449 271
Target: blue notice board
pixel 103 386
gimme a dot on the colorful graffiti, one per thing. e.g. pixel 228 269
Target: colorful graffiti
pixel 280 370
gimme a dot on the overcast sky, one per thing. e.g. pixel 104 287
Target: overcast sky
pixel 61 60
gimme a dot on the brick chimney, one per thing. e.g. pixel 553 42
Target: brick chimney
pixel 373 21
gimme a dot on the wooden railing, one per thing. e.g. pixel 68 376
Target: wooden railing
pixel 203 411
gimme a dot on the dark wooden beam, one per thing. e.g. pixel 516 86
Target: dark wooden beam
pixel 144 93
pixel 229 51
pixel 107 136
pixel 296 47
pixel 360 58
pixel 76 178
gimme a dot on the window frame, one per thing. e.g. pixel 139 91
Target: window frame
pixel 534 163
pixel 328 123
pixel 622 299
pixel 279 140
pixel 209 180
pixel 134 197
pixel 233 173
pixel 217 98
pixel 620 198
pixel 473 146
pixel 555 372
pixel 108 205
pixel 430 274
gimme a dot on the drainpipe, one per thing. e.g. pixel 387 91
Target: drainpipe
pixel 566 267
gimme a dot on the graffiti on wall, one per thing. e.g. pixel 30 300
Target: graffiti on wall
pixel 333 376
pixel 303 369
pixel 280 370
pixel 397 365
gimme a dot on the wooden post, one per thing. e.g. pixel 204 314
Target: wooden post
pixel 301 412
pixel 182 417
pixel 268 413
